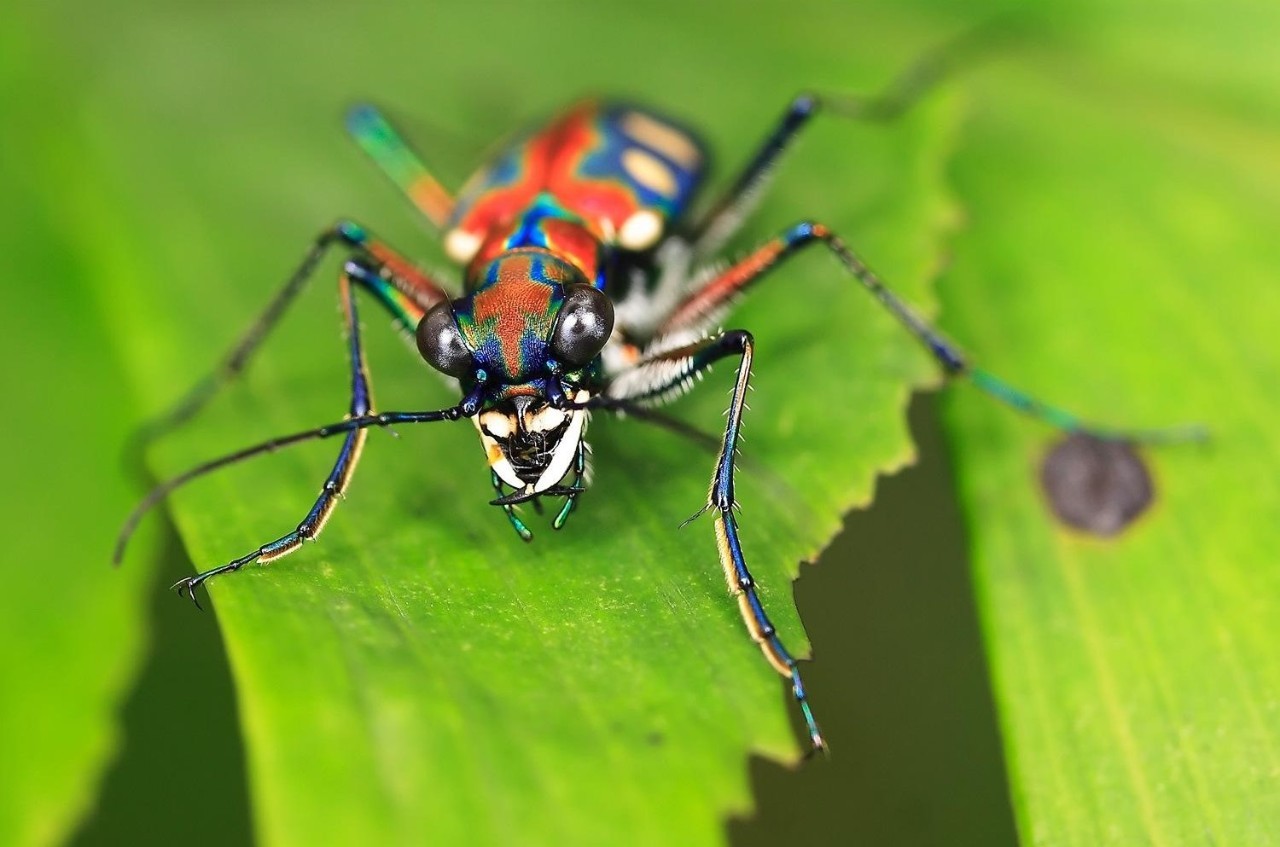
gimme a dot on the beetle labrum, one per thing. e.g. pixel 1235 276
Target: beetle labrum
pixel 583 290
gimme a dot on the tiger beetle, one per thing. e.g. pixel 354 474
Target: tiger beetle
pixel 586 286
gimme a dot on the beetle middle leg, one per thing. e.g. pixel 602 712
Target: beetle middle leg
pixel 707 303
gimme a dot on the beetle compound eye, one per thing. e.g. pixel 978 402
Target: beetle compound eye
pixel 585 321
pixel 440 342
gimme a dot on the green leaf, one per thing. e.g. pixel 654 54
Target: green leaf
pixel 1120 258
pixel 72 631
pixel 421 673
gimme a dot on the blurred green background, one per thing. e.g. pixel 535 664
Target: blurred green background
pixel 1100 201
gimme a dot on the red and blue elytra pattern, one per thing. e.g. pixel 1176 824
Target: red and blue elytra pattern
pixel 600 175
pixel 548 226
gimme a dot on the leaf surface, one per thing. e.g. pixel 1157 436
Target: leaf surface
pixel 1120 256
pixel 72 631
pixel 420 672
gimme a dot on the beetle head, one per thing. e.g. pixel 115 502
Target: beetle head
pixel 525 336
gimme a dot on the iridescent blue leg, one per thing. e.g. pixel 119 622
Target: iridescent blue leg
pixel 408 292
pixel 355 273
pixel 669 373
pixel 710 300
pixel 727 214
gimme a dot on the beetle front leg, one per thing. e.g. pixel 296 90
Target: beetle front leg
pixel 403 289
pixel 355 273
pixel 669 373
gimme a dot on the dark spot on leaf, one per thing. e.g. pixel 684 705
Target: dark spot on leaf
pixel 1095 485
pixel 655 739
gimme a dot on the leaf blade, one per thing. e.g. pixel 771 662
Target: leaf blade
pixel 353 654
pixel 1134 678
pixel 72 631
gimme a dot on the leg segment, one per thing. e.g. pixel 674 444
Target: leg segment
pixel 404 290
pixel 728 213
pixel 668 373
pixel 357 273
pixel 719 224
pixel 707 304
